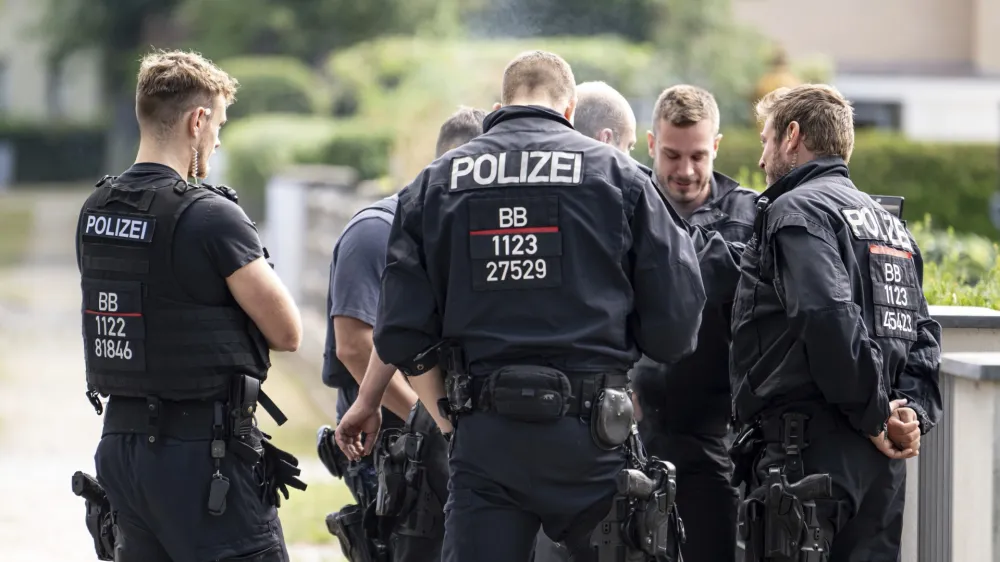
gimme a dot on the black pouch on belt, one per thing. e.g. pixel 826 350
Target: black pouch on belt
pixel 528 393
pixel 611 418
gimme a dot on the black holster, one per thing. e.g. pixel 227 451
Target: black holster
pixel 778 520
pixel 643 523
pixel 353 527
pixel 100 518
pixel 404 492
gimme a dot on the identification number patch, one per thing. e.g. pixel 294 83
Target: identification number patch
pixel 114 328
pixel 515 243
pixel 895 292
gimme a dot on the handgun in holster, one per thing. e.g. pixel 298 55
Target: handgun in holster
pixel 100 519
pixel 457 384
pixel 354 526
pixel 403 491
pixel 778 520
pixel 643 523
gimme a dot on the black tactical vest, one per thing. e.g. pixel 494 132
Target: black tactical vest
pixel 144 335
pixel 335 373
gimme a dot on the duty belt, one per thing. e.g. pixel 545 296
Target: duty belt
pixel 584 386
pixel 189 419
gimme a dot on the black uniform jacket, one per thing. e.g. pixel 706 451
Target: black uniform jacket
pixel 830 306
pixel 535 244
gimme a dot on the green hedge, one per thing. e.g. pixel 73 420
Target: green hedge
pixel 275 85
pixel 259 146
pixel 50 153
pixel 951 182
pixel 959 269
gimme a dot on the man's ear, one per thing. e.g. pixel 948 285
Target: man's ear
pixel 496 106
pixel 198 120
pixel 794 135
pixel 570 110
pixel 651 141
pixel 715 145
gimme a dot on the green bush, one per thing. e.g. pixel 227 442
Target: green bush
pixel 952 182
pixel 410 85
pixel 959 269
pixel 275 85
pixel 46 152
pixel 259 146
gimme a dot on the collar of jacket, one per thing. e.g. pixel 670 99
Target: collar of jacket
pixel 722 185
pixel 539 115
pixel 820 167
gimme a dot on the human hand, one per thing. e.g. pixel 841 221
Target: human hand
pixel 904 429
pixel 359 419
pixel 886 445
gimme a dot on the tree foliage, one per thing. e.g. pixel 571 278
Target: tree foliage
pixel 306 29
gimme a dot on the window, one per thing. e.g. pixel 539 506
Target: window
pixel 877 115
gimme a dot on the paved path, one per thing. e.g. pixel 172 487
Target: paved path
pixel 48 430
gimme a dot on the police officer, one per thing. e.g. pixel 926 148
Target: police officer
pixel 180 310
pixel 355 272
pixel 533 265
pixel 686 406
pixel 834 356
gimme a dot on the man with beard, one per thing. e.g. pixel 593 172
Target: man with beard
pixel 685 407
pixel 180 309
pixel 834 354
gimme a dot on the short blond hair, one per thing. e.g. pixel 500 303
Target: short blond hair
pixel 171 83
pixel 684 105
pixel 538 72
pixel 824 115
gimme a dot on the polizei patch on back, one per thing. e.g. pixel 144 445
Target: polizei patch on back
pixel 119 227
pixel 877 224
pixel 516 168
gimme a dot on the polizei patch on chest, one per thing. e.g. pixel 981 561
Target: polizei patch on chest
pixel 868 223
pixel 516 168
pixel 119 227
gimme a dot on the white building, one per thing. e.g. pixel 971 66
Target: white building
pixel 928 68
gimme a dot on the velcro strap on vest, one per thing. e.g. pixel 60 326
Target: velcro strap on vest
pixel 117 265
pixel 584 387
pixel 190 419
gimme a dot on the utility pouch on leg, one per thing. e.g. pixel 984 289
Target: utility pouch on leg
pixel 611 418
pixel 348 525
pixel 528 393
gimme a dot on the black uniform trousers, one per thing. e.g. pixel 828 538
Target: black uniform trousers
pixel 160 496
pixel 865 514
pixel 706 501
pixel 510 478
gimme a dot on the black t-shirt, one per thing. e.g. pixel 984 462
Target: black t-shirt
pixel 213 239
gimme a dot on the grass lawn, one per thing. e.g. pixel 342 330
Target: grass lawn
pixel 303 515
pixel 16 217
